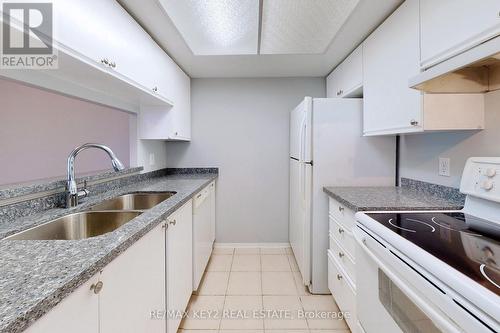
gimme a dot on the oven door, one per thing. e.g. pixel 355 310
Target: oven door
pixel 385 301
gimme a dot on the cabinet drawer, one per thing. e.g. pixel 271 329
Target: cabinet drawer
pixel 344 259
pixel 342 214
pixel 343 236
pixel 342 291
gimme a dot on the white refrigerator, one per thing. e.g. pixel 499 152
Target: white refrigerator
pixel 327 148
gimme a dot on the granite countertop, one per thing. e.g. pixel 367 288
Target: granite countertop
pixel 391 199
pixel 36 275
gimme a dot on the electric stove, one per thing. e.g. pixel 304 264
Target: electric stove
pixel 466 243
pixel 446 263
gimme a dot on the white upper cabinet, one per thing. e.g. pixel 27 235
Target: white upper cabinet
pixel 449 27
pixel 104 56
pixel 391 55
pixel 347 79
pixel 107 34
pixel 169 123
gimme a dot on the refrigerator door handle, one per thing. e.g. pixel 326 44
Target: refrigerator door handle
pixel 303 177
pixel 302 140
pixel 303 129
pixel 300 180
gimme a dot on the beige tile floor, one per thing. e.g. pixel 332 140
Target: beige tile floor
pixel 257 290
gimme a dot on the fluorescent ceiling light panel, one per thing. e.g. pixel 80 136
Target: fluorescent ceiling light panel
pixel 216 27
pixel 302 26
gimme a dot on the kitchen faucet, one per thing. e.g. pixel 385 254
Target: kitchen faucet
pixel 72 193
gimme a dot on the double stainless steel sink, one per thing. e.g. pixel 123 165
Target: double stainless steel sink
pixel 134 201
pixel 98 220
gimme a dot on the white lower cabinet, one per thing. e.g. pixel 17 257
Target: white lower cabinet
pixel 141 290
pixel 129 290
pixel 202 232
pixel 212 212
pixel 343 291
pixel 179 261
pixel 341 260
pixel 77 313
pixel 134 287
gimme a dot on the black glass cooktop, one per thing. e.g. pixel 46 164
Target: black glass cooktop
pixel 468 244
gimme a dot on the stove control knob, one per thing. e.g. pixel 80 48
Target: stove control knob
pixel 490 172
pixel 487 185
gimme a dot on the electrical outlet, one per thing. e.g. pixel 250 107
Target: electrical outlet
pixel 151 159
pixel 444 166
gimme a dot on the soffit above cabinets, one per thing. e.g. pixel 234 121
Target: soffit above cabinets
pixel 216 27
pixel 297 59
pixel 302 26
pixel 244 27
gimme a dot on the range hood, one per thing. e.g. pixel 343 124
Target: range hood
pixel 475 71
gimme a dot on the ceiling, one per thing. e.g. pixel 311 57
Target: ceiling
pixel 259 38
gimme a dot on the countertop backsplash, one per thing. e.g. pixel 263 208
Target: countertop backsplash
pixel 440 191
pixel 26 200
pixel 411 195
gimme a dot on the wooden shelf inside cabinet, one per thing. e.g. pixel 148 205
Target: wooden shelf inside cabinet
pixel 82 77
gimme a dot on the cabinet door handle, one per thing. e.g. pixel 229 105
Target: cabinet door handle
pixel 341 230
pixel 164 226
pixel 155 89
pixel 104 61
pixel 341 209
pixel 97 287
pixel 339 277
pixel 413 122
pixel 173 222
pixel 341 254
pixel 112 64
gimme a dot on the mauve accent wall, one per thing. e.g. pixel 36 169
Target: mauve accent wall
pixel 38 129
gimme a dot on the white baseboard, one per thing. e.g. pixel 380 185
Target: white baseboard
pixel 251 245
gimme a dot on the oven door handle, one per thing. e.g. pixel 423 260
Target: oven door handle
pixel 422 304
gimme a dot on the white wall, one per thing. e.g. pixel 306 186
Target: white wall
pixel 242 127
pixel 420 152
